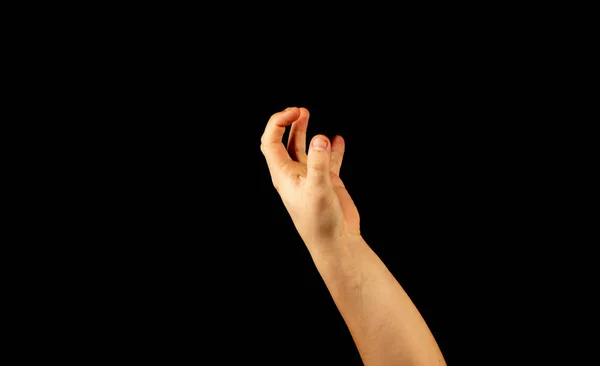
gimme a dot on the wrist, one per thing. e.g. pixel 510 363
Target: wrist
pixel 328 251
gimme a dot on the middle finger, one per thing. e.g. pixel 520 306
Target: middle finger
pixel 297 139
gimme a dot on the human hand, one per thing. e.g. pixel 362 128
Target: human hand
pixel 309 185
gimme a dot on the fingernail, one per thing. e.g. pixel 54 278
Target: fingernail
pixel 319 144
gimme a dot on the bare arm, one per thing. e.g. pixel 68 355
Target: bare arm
pixel 386 326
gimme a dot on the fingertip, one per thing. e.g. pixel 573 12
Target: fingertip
pixel 320 142
pixel 286 116
pixel 290 110
pixel 304 111
pixel 338 141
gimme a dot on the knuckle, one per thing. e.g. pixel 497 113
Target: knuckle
pixel 319 166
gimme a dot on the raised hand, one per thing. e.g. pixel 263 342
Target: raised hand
pixel 309 185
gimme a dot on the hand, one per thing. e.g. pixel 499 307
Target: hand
pixel 310 187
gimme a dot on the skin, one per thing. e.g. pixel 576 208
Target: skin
pixel 386 326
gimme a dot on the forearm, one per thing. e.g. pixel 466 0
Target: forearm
pixel 385 325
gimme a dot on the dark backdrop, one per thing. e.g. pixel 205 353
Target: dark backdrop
pixel 202 256
pixel 185 249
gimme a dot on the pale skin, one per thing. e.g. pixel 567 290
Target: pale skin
pixel 386 326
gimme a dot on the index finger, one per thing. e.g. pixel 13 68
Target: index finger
pixel 271 143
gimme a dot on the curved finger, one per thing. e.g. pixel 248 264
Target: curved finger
pixel 270 142
pixel 297 139
pixel 338 146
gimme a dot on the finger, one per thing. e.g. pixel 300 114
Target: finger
pixel 297 139
pixel 270 142
pixel 338 147
pixel 318 161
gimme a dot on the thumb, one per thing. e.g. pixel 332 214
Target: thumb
pixel 318 162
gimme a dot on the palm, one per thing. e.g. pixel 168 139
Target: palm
pixel 342 206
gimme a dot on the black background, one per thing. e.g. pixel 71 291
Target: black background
pixel 184 249
pixel 201 256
